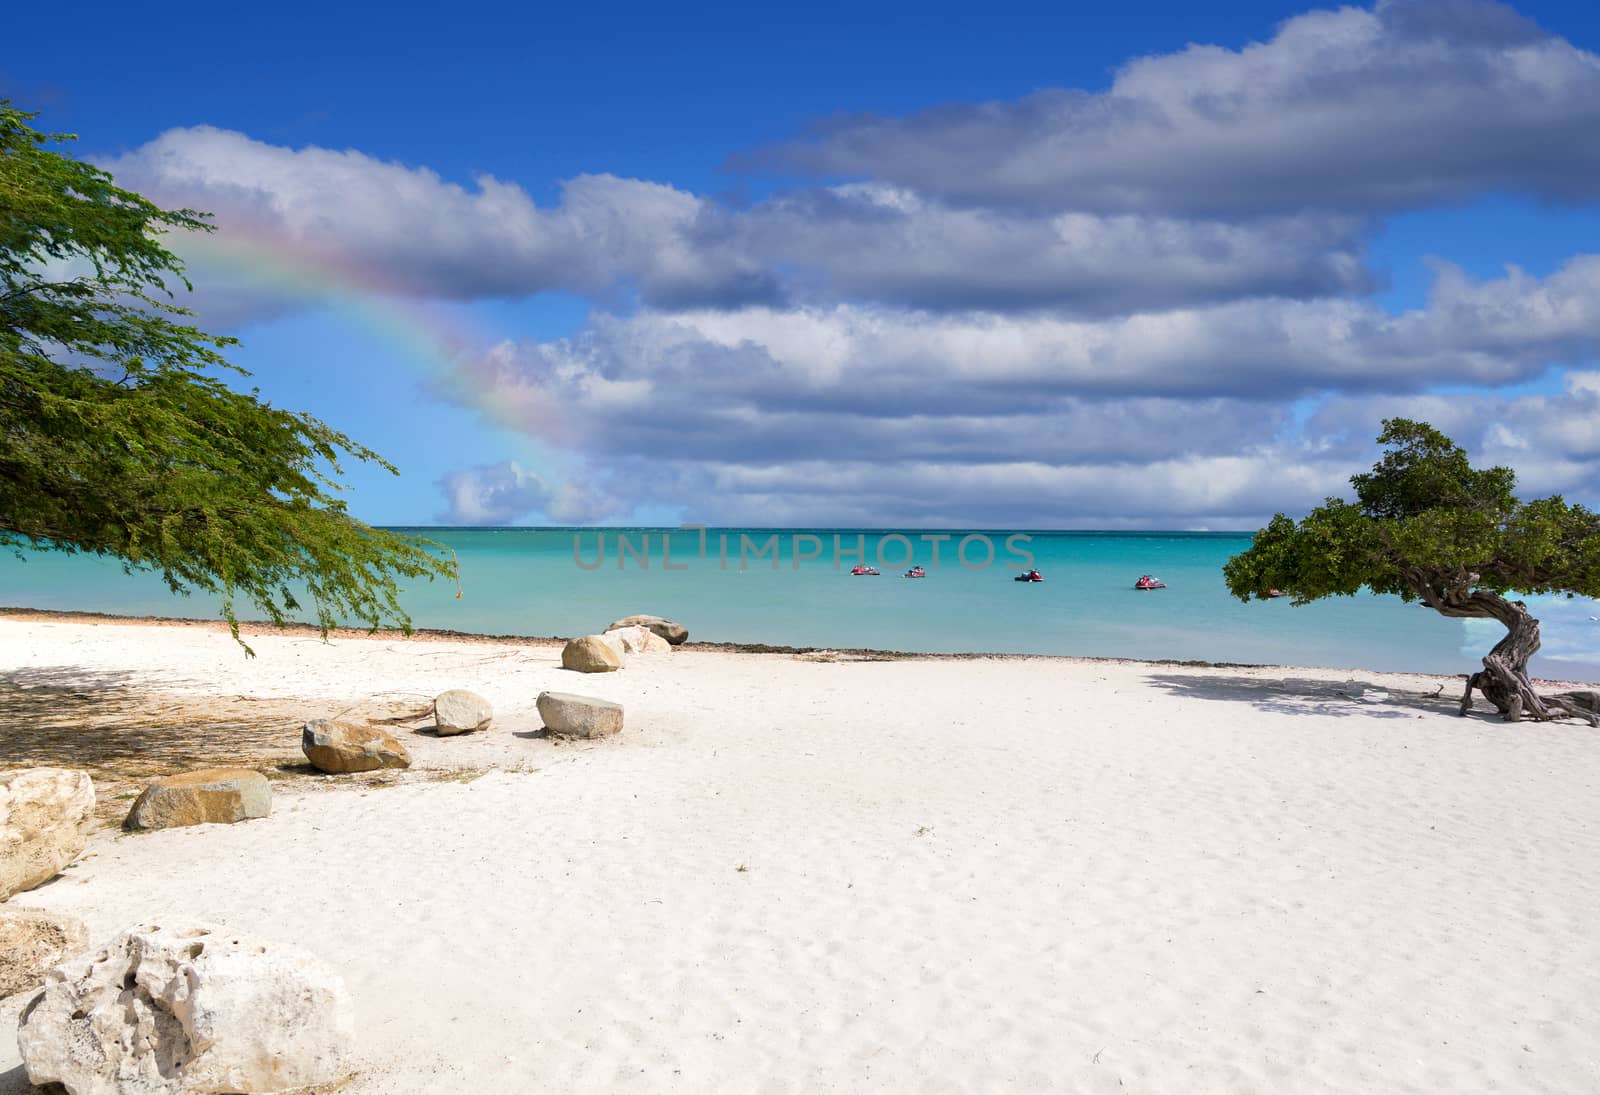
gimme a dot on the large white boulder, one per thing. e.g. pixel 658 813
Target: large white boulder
pixel 33 940
pixel 45 818
pixel 460 712
pixel 162 1011
pixel 635 640
pixel 579 716
pixel 674 633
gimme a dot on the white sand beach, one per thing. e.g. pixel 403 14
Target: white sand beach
pixel 791 874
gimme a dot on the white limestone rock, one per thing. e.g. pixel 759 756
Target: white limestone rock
pixel 674 633
pixel 192 1009
pixel 45 818
pixel 459 711
pixel 579 716
pixel 636 640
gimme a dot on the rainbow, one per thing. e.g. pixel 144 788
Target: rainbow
pixel 451 352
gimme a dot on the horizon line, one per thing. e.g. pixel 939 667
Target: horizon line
pixel 826 528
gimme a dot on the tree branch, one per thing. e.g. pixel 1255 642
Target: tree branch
pixel 38 286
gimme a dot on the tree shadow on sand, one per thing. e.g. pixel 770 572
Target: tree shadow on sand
pixel 114 726
pixel 108 723
pixel 1307 696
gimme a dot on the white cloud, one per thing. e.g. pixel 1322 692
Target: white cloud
pixel 1410 103
pixel 348 219
pixel 1553 441
pixel 387 227
pixel 507 493
pixel 1233 491
pixel 888 244
pixel 712 377
pixel 847 414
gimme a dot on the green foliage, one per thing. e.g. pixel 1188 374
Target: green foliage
pixel 118 437
pixel 1426 524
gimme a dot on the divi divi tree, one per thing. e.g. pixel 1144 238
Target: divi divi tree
pixel 1430 527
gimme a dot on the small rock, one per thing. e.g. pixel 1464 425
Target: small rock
pixel 188 1010
pixel 591 654
pixel 636 640
pixel 676 634
pixel 460 712
pixel 210 796
pixel 33 940
pixel 579 716
pixel 45 818
pixel 351 747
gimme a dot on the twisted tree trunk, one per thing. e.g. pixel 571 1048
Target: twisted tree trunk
pixel 1504 680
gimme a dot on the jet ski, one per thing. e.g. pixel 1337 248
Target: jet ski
pixel 915 572
pixel 1029 576
pixel 859 570
pixel 1276 593
pixel 1149 582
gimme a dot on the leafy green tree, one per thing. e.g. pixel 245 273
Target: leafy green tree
pixel 118 436
pixel 1428 526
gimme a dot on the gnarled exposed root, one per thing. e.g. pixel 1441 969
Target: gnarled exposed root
pixel 1504 679
pixel 1520 701
pixel 1578 704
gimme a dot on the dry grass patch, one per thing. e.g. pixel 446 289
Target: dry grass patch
pixel 452 775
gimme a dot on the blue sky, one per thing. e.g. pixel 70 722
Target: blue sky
pixel 1163 265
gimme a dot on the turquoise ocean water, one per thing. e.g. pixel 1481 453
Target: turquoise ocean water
pixel 530 582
